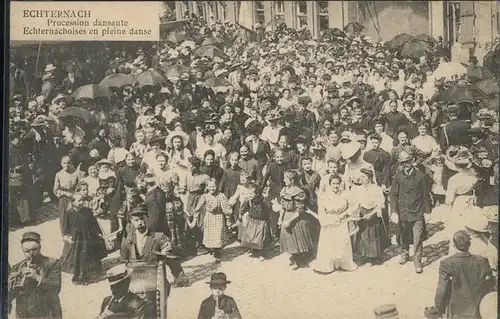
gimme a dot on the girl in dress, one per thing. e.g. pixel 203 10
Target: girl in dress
pixel 92 180
pixel 139 147
pixel 255 232
pixel 196 183
pixel 179 155
pixel 371 239
pixel 240 196
pixel 295 235
pixel 84 247
pixel 217 212
pixel 334 247
pixel 231 179
pixel 64 186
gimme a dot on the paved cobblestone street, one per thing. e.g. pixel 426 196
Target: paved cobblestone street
pixel 270 289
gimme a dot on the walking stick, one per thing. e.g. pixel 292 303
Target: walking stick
pixel 36 63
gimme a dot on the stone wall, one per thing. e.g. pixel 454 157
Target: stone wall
pixel 394 17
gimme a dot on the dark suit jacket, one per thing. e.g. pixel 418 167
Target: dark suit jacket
pixel 41 300
pixel 131 306
pixel 228 304
pixel 153 243
pixel 155 201
pixel 263 149
pixel 464 279
pixel 454 133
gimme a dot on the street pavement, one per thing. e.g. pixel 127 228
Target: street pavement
pixel 269 289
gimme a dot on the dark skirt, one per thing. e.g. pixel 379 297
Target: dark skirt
pixel 63 211
pixel 256 234
pixel 192 201
pixel 297 238
pixel 371 238
pixel 82 258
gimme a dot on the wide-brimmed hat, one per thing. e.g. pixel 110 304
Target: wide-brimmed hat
pixel 104 161
pixel 39 121
pixel 219 278
pixel 212 118
pixel 49 68
pixel 318 145
pixel 350 149
pixel 61 96
pixel 461 157
pixel 157 138
pixel 476 221
pixel 273 115
pixel 149 177
pixel 17 97
pixel 181 134
pixel 117 274
pixel 346 137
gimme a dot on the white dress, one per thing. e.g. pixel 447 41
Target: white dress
pixel 334 246
pixel 460 195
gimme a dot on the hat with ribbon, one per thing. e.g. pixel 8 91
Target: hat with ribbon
pixel 117 274
pixel 218 278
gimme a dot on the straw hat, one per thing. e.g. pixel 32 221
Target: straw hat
pixel 117 274
pixel 181 134
pixel 49 68
pixel 273 115
pixel 477 222
pixel 350 149
pixel 61 96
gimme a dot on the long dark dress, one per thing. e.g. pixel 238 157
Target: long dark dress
pixel 84 255
pixel 228 184
pixel 297 238
pixel 256 234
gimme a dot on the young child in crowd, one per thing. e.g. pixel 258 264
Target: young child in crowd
pixel 218 305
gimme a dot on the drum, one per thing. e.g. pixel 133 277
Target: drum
pixel 149 281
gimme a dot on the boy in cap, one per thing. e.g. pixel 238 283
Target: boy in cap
pixel 35 282
pixel 219 305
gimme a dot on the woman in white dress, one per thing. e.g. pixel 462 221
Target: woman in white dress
pixel 460 191
pixel 334 247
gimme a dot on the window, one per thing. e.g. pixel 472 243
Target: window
pixel 453 22
pixel 279 9
pixel 301 14
pixel 323 15
pixel 260 16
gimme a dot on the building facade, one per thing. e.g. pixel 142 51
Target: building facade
pixel 467 26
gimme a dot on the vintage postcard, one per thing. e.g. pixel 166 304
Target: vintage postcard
pixel 253 159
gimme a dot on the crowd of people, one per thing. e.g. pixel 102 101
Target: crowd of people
pixel 327 147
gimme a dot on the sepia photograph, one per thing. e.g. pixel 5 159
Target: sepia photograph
pixel 253 159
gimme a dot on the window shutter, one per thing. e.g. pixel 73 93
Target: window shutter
pixel 467 16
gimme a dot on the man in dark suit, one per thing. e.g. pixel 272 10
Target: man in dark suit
pixel 454 133
pixel 219 305
pixel 35 282
pixel 146 245
pixel 410 200
pixel 18 81
pixel 122 303
pixel 258 148
pixel 464 279
pixel 155 201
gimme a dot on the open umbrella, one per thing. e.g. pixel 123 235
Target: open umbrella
pixel 464 93
pixel 175 71
pixel 275 22
pixel 449 69
pixel 91 91
pixel 209 51
pixel 427 38
pixel 398 41
pixel 478 73
pixel 175 37
pixel 116 80
pixel 213 41
pixel 354 27
pixel 149 78
pixel 335 32
pixel 415 49
pixel 488 86
pixel 77 112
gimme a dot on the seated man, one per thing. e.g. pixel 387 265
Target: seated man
pixel 142 244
